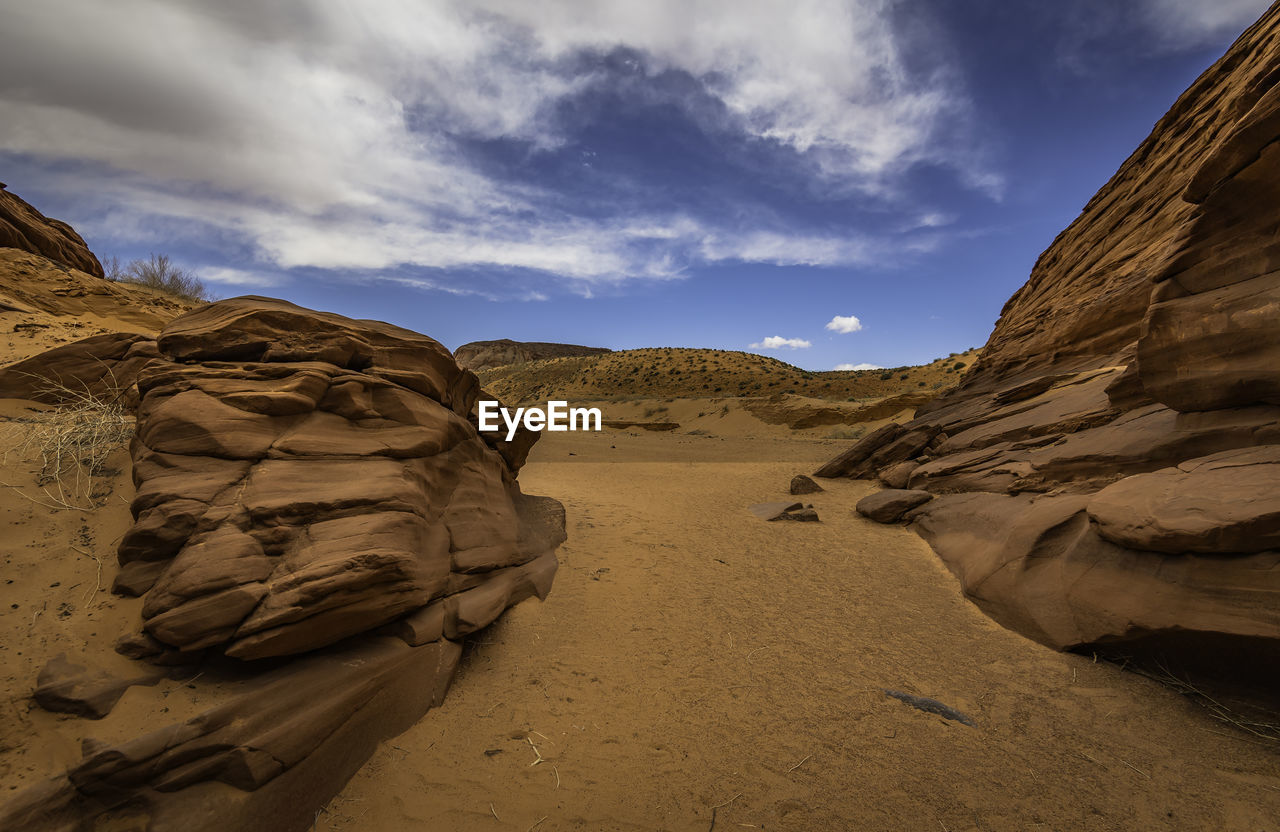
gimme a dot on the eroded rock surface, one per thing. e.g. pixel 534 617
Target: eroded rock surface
pixel 311 490
pixel 303 478
pixel 890 505
pixel 104 366
pixel 1107 472
pixel 25 228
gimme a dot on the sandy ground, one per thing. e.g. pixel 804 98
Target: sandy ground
pixel 696 668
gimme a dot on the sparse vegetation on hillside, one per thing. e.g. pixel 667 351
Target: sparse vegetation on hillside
pixel 161 273
pixel 685 373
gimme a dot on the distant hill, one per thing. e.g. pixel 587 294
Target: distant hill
pixel 482 355
pixel 671 372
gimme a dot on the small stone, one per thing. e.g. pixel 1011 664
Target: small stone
pixel 800 484
pixel 774 510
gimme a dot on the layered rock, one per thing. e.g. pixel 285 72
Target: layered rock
pixel 482 355
pixel 311 490
pixel 23 227
pixel 103 366
pixel 1107 471
pixel 302 478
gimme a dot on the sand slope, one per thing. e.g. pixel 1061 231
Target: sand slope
pixel 44 304
pixel 691 655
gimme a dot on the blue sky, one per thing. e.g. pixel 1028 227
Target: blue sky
pixel 734 174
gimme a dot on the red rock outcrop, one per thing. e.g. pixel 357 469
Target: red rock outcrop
pixel 1106 473
pixel 23 227
pixel 481 355
pixel 103 366
pixel 311 490
pixel 303 478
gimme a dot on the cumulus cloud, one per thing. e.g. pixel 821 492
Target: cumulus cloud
pixel 844 324
pixel 777 342
pixel 339 136
pixel 863 366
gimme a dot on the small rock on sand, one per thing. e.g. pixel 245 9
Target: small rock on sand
pixel 800 484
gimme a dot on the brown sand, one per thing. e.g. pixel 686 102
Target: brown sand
pixel 691 657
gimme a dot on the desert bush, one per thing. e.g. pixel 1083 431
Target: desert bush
pixel 159 272
pixel 72 442
pixel 113 269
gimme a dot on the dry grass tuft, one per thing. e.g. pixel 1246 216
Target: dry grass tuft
pixel 72 442
pixel 1262 728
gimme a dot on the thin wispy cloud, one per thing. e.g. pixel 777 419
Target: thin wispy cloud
pixel 1182 24
pixel 862 366
pixel 345 137
pixel 777 342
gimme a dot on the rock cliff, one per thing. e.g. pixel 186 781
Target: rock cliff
pixel 481 355
pixel 1105 476
pixel 23 227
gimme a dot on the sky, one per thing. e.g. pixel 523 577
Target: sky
pixel 837 183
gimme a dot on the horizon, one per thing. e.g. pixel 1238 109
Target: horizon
pixel 851 184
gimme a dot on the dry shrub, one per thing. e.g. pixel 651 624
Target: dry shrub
pixel 73 442
pixel 159 272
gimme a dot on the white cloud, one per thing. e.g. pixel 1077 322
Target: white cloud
pixel 1182 24
pixel 844 324
pixel 330 134
pixel 777 342
pixel 863 366
pixel 238 277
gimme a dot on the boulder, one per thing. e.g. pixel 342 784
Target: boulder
pixel 800 484
pixel 318 526
pixel 890 505
pixel 303 477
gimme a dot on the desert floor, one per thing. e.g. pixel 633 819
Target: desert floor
pixel 695 668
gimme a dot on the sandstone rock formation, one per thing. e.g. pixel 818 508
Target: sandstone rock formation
pixel 890 505
pixel 103 366
pixel 1106 473
pixel 481 355
pixel 313 491
pixel 23 227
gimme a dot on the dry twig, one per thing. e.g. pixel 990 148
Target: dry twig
pixel 73 442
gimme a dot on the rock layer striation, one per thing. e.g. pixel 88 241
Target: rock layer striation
pixel 1106 474
pixel 319 524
